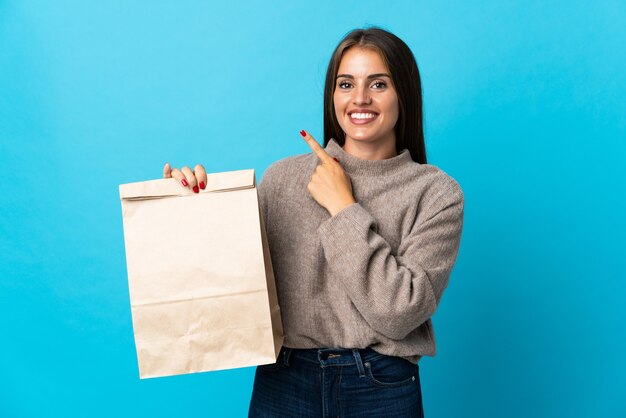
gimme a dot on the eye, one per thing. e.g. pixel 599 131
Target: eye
pixel 343 84
pixel 381 84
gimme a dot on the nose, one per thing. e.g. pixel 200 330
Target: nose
pixel 361 95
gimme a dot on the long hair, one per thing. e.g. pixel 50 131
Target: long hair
pixel 405 76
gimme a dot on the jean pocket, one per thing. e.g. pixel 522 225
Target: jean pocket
pixel 272 367
pixel 389 371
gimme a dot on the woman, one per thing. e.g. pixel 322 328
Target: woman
pixel 363 236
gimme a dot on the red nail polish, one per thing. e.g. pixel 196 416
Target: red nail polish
pixel 335 159
pixel 195 189
pixel 202 185
pixel 184 182
pixel 303 133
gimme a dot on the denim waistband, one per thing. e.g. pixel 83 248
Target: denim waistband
pixel 325 357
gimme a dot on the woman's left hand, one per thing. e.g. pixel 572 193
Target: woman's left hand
pixel 330 185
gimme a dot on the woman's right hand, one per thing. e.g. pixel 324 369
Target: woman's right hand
pixel 186 177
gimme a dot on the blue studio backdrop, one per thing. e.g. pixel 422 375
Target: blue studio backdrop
pixel 524 107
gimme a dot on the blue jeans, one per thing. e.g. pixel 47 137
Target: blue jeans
pixel 333 382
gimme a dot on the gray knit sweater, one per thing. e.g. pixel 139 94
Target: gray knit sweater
pixel 372 275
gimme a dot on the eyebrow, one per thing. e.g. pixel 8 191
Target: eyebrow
pixel 377 75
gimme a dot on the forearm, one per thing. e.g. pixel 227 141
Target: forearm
pixel 394 293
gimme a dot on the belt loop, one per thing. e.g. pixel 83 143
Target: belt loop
pixel 286 355
pixel 359 362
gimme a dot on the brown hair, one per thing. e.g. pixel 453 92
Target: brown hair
pixel 405 76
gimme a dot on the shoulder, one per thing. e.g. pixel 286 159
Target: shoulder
pixel 287 167
pixel 437 185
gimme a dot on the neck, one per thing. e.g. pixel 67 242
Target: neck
pixel 371 151
pixel 356 166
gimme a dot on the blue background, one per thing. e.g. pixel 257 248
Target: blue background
pixel 524 106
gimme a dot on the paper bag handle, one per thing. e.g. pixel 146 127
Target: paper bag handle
pixel 216 182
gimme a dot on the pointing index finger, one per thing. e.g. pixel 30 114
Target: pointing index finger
pixel 317 149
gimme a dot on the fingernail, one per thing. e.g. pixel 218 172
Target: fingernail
pixel 195 189
pixel 303 133
pixel 184 182
pixel 202 185
pixel 335 159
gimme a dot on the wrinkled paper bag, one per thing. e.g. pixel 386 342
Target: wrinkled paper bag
pixel 200 277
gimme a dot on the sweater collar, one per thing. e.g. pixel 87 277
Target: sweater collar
pixel 353 165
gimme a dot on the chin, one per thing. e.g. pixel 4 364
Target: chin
pixel 361 137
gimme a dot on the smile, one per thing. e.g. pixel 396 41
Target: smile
pixel 361 118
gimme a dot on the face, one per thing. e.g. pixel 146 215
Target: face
pixel 366 103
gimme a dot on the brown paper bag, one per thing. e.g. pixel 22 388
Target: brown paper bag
pixel 200 277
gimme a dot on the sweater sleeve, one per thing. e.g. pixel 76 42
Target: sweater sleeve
pixel 265 192
pixel 395 293
pixel 262 192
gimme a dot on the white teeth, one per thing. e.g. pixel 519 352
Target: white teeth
pixel 363 115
